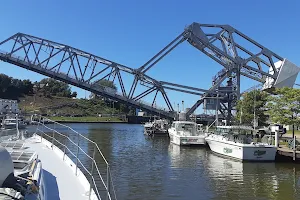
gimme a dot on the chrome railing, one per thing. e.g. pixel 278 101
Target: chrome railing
pixel 65 142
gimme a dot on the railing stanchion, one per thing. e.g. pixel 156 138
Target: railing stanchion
pixel 77 153
pixel 53 135
pixel 42 128
pixel 65 145
pixel 107 184
pixel 37 127
pixel 92 171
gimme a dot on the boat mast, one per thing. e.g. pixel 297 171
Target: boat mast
pixel 254 120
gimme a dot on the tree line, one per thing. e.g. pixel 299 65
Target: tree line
pixel 11 88
pixel 282 106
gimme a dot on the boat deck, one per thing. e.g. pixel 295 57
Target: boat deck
pixel 60 179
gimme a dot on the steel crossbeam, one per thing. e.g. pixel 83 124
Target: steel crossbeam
pixel 85 70
pixel 236 52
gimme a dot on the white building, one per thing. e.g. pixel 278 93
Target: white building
pixel 8 106
pixel 290 127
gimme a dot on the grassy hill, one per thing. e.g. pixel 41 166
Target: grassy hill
pixel 63 106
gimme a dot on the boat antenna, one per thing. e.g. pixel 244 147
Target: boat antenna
pixel 254 120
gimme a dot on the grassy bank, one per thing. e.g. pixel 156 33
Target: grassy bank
pixel 291 132
pixel 86 119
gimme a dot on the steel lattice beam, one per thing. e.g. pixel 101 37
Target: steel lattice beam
pixel 222 43
pixel 77 68
pixel 85 70
pixel 236 52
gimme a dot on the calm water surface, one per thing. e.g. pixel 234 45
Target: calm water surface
pixel 152 168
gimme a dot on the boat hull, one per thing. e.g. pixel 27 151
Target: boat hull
pixel 187 140
pixel 150 131
pixel 242 152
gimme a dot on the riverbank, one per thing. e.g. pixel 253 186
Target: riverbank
pixel 290 132
pixel 89 119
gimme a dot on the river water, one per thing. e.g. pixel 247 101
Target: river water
pixel 152 168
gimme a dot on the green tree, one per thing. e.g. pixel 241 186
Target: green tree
pixel 107 83
pixel 14 88
pixel 255 100
pixel 5 82
pixel 27 86
pixel 284 107
pixel 56 88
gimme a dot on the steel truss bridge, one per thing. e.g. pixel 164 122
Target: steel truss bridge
pixel 238 54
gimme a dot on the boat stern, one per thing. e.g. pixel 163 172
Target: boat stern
pixel 263 153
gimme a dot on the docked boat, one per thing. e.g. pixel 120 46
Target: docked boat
pixel 187 133
pixel 238 142
pixel 36 166
pixel 157 127
pixel 11 123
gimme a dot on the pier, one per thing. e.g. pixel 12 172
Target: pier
pixel 286 154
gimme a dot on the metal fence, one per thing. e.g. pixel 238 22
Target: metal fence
pixel 72 143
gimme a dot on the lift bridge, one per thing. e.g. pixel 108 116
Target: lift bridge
pixel 238 54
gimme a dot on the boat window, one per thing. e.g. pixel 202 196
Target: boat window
pixel 199 127
pixel 186 127
pixel 173 125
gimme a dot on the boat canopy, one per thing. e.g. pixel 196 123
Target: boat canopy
pixel 235 130
pixel 185 126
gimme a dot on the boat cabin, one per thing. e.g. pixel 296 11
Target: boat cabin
pixel 241 134
pixel 235 130
pixel 187 128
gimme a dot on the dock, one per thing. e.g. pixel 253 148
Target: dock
pixel 286 154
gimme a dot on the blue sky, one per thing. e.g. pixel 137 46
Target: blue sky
pixel 130 32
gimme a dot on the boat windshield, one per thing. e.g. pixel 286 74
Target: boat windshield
pixel 234 130
pixel 186 127
pixel 237 134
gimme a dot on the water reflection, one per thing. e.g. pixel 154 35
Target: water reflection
pixel 152 168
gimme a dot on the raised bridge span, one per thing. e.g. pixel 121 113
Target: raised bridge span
pixel 234 51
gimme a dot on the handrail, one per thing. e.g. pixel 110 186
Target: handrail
pixel 79 135
pixel 66 146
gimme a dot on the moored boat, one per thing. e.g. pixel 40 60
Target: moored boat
pixel 157 127
pixel 239 143
pixel 186 133
pixel 11 123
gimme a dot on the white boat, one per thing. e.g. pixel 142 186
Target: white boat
pixel 35 168
pixel 11 123
pixel 21 174
pixel 237 142
pixel 186 133
pixel 157 127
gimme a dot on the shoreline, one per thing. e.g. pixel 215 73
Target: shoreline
pixel 94 122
